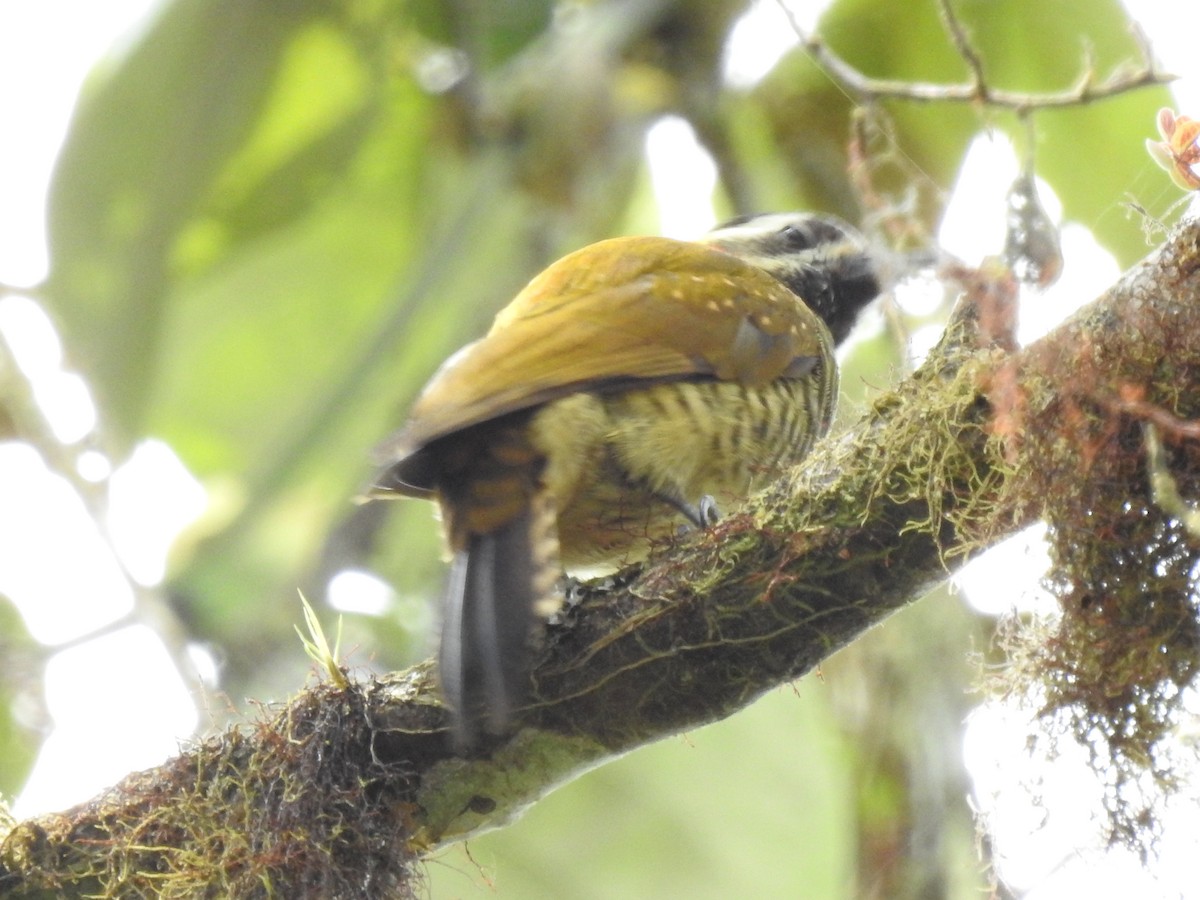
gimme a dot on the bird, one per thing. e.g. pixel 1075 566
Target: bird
pixel 630 391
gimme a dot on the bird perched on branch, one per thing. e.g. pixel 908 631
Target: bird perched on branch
pixel 633 387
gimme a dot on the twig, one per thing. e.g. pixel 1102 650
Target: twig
pixel 962 43
pixel 1132 403
pixel 1086 89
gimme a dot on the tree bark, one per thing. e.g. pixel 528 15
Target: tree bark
pixel 345 787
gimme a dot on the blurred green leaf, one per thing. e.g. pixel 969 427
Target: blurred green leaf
pixel 492 32
pixel 144 147
pixel 313 124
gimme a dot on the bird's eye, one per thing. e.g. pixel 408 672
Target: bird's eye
pixel 796 238
pixel 809 232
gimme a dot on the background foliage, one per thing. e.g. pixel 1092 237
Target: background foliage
pixel 272 220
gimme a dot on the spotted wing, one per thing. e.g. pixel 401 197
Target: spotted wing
pixel 608 317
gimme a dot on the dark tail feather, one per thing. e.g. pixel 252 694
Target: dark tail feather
pixel 496 585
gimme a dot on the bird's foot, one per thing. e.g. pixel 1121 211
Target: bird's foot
pixel 709 514
pixel 703 515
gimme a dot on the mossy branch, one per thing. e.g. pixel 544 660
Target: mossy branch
pixel 344 788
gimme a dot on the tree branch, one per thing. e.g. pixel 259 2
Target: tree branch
pixel 865 89
pixel 340 791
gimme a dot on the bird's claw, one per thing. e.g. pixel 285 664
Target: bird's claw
pixel 703 515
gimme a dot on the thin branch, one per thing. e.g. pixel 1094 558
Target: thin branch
pixel 962 44
pixel 1131 401
pixel 865 89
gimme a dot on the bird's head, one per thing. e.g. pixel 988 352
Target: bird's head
pixel 823 260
